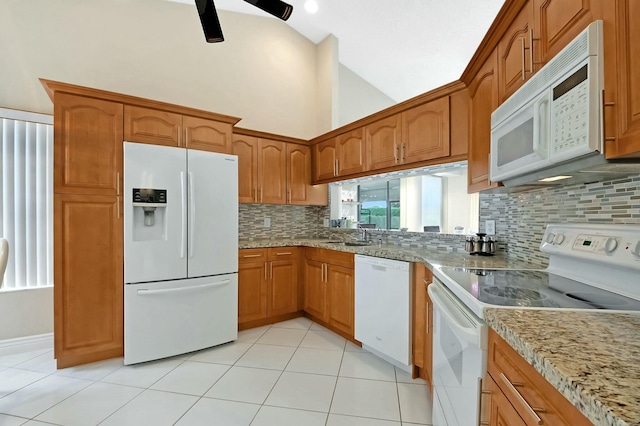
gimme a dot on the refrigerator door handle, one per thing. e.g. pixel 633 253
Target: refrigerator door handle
pixel 192 213
pixel 142 292
pixel 183 238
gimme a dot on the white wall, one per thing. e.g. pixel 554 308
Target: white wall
pixel 26 313
pixel 358 98
pixel 264 72
pixel 460 208
pixel 328 84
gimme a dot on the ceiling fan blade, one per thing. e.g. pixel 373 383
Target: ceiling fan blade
pixel 209 20
pixel 277 8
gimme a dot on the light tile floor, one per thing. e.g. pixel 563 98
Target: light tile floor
pixel 291 373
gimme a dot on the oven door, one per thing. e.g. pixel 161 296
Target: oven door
pixel 459 359
pixel 520 142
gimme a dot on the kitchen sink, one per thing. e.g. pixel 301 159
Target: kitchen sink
pixel 358 243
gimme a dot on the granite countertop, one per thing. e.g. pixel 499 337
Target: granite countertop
pixel 429 257
pixel 592 358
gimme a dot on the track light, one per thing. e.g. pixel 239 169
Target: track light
pixel 277 8
pixel 209 20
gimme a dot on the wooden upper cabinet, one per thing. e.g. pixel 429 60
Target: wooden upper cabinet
pixel 324 160
pixel 246 148
pixel 558 22
pixel 152 126
pixel 483 92
pixel 207 135
pixel 301 191
pixel 272 172
pixel 622 79
pixel 459 123
pixel 425 131
pixel 88 273
pixel 515 54
pixel 350 152
pixel 382 142
pixel 88 145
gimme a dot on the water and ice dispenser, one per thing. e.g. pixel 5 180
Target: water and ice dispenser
pixel 149 214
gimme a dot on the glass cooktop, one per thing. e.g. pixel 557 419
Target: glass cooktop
pixel 534 288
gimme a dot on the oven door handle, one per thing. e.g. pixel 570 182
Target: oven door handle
pixel 472 333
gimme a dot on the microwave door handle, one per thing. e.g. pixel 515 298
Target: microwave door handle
pixel 541 126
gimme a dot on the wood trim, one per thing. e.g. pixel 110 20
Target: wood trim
pixel 269 320
pixel 265 135
pixel 434 94
pixel 510 9
pixel 51 87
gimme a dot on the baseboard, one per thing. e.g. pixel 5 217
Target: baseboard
pixel 44 340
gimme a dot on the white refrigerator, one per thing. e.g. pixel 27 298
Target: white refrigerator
pixel 180 250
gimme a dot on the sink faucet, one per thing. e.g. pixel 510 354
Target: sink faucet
pixel 364 233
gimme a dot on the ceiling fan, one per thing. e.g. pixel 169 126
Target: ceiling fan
pixel 211 24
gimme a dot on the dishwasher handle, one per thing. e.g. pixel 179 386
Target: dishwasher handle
pixel 471 331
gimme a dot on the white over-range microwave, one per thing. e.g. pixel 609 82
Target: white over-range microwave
pixel 555 117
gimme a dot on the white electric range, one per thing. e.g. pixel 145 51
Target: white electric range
pixel 591 267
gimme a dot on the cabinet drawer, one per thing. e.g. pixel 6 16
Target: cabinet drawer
pixel 537 397
pixel 252 255
pixel 282 253
pixel 332 257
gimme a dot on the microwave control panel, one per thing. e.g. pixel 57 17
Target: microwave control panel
pixel 570 112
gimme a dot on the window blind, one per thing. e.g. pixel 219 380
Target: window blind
pixel 26 198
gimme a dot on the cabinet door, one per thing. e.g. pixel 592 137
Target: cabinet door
pixel 340 302
pixel 88 273
pixel 324 160
pixel 207 135
pixel 622 79
pixel 272 172
pixel 314 290
pixel 152 126
pixel 382 142
pixel 425 132
pixel 246 148
pixel 514 54
pixel 88 145
pixel 558 22
pixel 419 316
pixel 350 152
pixel 283 287
pixel 483 91
pixel 252 291
pixel 301 191
pixel 502 412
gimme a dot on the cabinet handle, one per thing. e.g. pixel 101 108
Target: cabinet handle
pixel 289 196
pixel 524 70
pixel 186 137
pixel 402 152
pixel 604 133
pixel 395 152
pixel 118 183
pixel 270 270
pixel 265 270
pixel 335 168
pixel 251 255
pixel 260 194
pixel 283 253
pixel 533 412
pixel 482 392
pixel 118 203
pixel 531 50
pixel 325 273
pixel 489 169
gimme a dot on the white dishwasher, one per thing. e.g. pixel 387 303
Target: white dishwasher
pixel 383 308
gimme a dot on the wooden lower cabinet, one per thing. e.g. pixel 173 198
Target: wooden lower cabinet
pixel 422 323
pixel 267 285
pixel 514 385
pixel 89 278
pixel 329 289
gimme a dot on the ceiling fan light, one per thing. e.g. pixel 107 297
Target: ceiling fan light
pixel 209 20
pixel 277 8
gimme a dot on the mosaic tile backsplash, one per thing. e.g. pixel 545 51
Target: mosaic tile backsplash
pixel 520 218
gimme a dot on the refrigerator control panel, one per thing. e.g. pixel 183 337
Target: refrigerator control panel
pixel 149 196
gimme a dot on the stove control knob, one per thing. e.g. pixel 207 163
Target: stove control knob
pixel 550 237
pixel 558 239
pixel 610 245
pixel 636 250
